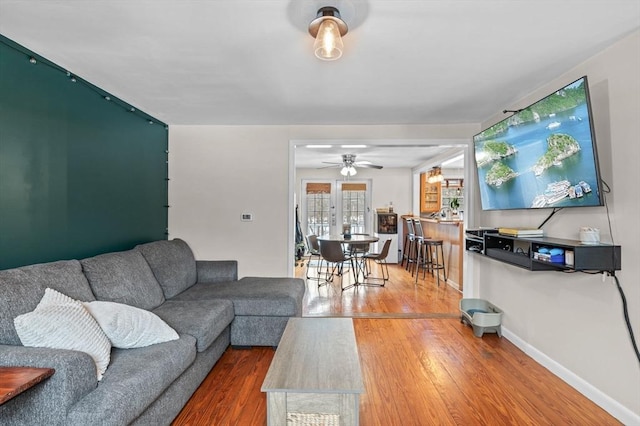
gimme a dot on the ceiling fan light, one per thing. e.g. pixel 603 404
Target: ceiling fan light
pixel 348 171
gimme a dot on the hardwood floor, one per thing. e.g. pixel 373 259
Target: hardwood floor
pixel 402 296
pixel 420 366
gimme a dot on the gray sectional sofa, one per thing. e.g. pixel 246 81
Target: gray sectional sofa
pixel 202 300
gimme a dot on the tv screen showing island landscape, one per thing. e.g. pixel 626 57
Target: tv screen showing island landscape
pixel 543 156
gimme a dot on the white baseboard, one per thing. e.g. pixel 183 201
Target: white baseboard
pixel 613 407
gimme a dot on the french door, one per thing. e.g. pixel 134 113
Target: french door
pixel 329 205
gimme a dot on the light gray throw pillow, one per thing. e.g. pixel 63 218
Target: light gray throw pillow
pixel 130 327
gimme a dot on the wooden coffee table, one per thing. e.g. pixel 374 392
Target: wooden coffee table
pixel 15 380
pixel 315 371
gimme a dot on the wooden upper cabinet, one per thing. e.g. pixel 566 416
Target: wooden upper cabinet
pixel 429 195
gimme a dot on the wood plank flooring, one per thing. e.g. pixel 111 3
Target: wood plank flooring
pixel 420 366
pixel 401 296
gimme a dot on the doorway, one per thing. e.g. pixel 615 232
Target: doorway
pixel 328 205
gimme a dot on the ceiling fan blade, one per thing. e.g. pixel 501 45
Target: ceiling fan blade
pixel 370 166
pixel 330 165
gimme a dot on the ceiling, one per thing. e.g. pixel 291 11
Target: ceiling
pixel 250 62
pixel 385 154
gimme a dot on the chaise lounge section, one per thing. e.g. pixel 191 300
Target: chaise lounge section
pixel 203 301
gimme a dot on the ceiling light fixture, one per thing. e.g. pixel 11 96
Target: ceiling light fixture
pixel 435 175
pixel 328 29
pixel 348 171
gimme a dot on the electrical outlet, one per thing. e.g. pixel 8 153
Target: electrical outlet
pixel 246 217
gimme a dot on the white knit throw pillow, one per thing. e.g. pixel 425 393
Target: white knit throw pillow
pixel 60 322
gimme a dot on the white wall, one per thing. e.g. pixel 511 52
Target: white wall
pixel 574 322
pixel 388 184
pixel 218 172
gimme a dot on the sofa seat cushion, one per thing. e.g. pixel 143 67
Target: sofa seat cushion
pixel 172 263
pixel 22 288
pixel 202 319
pixel 123 277
pixel 254 296
pixel 135 378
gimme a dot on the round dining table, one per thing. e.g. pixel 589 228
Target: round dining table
pixel 355 238
pixel 359 261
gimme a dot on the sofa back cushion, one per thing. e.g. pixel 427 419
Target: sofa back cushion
pixel 123 277
pixel 172 263
pixel 22 288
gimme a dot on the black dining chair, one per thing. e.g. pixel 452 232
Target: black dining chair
pixel 380 259
pixel 335 259
pixel 357 251
pixel 314 254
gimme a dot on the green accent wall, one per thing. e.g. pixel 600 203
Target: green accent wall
pixel 79 175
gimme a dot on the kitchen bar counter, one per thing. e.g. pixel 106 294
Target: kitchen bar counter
pixel 451 232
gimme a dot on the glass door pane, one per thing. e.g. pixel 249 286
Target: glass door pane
pixel 327 205
pixel 354 206
pixel 318 213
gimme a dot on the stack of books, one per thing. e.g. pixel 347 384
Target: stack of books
pixel 521 232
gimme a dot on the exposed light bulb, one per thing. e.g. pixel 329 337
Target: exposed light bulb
pixel 328 45
pixel 328 29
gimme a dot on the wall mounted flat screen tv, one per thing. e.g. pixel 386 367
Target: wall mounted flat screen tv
pixel 543 156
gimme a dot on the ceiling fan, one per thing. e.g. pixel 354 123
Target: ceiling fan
pixel 349 165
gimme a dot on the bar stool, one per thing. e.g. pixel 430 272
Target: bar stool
pixel 435 248
pixel 419 251
pixel 409 242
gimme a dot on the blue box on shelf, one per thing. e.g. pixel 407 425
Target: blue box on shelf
pixel 554 255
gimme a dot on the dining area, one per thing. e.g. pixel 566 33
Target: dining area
pixel 400 296
pixel 360 274
pixel 349 258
